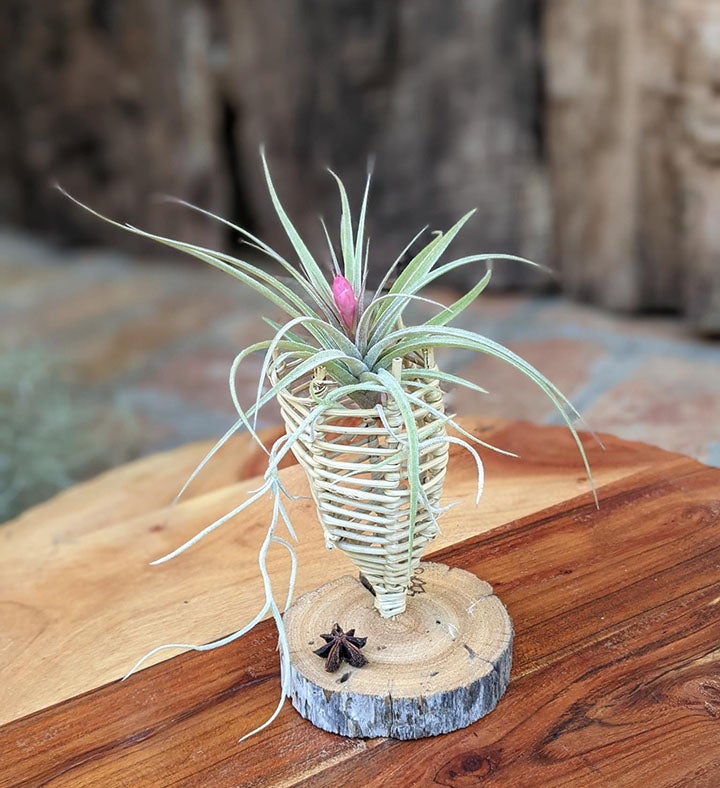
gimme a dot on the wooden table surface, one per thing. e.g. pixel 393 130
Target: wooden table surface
pixel 616 676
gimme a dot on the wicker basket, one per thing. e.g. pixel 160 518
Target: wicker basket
pixel 356 464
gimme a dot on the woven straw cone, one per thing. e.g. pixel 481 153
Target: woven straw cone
pixel 364 509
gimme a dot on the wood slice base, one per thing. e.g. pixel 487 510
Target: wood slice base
pixel 439 666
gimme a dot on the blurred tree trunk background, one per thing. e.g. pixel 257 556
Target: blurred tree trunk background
pixel 586 133
pixel 633 131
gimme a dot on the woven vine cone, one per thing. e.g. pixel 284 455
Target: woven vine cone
pixel 364 507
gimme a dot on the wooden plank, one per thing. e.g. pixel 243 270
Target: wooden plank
pixel 615 679
pixel 617 660
pixel 79 603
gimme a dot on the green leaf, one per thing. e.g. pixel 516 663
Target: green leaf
pixel 457 427
pixel 387 321
pixel 413 277
pixel 443 377
pixel 410 339
pixel 256 243
pixel 476 258
pixel 395 390
pixel 311 268
pixel 352 261
pixel 390 270
pixel 462 303
pixel 350 357
pixel 361 223
pixel 265 284
pixel 336 267
pixel 313 360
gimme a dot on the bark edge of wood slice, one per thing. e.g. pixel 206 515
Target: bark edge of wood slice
pixel 438 667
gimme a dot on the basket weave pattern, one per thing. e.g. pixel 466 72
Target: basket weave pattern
pixel 357 466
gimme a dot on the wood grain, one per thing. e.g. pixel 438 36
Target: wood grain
pixel 615 678
pixel 441 665
pixel 79 603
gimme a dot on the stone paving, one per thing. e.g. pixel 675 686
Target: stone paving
pixel 154 339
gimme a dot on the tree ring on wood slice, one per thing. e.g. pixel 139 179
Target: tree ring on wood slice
pixel 441 665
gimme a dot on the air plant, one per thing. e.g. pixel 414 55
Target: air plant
pixel 356 338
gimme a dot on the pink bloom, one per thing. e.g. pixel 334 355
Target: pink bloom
pixel 345 300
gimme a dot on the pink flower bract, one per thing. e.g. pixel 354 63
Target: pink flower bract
pixel 345 300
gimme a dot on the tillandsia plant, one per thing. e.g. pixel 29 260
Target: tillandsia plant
pixel 361 397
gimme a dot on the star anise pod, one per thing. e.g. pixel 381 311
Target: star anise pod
pixel 341 646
